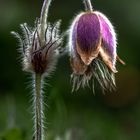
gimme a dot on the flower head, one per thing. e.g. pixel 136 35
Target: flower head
pixel 41 44
pixel 92 45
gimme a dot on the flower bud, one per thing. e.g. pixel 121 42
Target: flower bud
pixel 39 56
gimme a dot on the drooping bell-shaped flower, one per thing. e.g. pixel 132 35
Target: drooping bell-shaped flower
pixel 92 43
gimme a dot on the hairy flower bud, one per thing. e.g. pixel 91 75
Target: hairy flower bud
pixel 92 43
pixel 39 56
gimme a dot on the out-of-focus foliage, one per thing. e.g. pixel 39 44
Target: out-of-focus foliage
pixel 13 134
pixel 79 115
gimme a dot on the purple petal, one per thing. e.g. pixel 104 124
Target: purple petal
pixel 87 37
pixel 77 65
pixel 108 36
pixel 88 32
pixel 74 36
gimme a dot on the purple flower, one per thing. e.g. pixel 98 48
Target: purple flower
pixel 92 44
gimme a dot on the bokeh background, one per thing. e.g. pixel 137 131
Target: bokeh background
pixel 71 116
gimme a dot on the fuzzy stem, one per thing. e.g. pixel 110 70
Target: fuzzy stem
pixel 38 108
pixel 43 18
pixel 88 5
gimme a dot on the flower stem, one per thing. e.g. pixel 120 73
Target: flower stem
pixel 88 5
pixel 38 99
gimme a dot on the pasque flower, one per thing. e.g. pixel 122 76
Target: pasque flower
pixel 92 43
pixel 40 45
pixel 40 48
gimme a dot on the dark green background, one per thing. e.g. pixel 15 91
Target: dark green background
pixel 83 115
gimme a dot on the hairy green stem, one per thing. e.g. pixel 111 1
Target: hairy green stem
pixel 38 99
pixel 88 5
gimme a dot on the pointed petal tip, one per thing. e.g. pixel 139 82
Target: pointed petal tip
pixel 88 56
pixel 114 70
pixel 87 59
pixel 78 66
pixel 120 60
pixel 110 62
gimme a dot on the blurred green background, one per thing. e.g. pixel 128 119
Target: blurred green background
pixel 71 116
